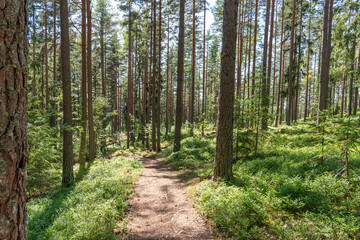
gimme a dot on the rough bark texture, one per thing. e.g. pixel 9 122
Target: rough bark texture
pixel 68 159
pixel 224 133
pixel 180 78
pixel 13 99
pixel 130 105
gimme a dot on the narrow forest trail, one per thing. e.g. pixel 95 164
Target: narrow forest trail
pixel 160 209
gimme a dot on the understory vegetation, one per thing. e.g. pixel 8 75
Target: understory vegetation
pixel 91 208
pixel 295 186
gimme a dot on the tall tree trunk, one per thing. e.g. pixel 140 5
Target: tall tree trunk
pixel 254 50
pixel 46 57
pixel 13 107
pixel 278 103
pixel 180 78
pixel 68 160
pixel 264 87
pixel 130 106
pixel 167 80
pixel 159 86
pixel 89 86
pixel 34 53
pixel 224 133
pixel 351 85
pixel 82 154
pixel 204 77
pixel 192 84
pixel 53 117
pixel 325 63
pixel 289 109
pixel 154 112
pixel 307 71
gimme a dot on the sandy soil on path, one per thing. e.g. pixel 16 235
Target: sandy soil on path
pixel 160 209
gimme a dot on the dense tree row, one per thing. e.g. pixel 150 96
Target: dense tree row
pixel 98 80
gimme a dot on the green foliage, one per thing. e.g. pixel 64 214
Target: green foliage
pixel 90 208
pixel 291 188
pixel 44 164
pixel 236 211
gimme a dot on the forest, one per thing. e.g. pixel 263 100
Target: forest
pixel 163 119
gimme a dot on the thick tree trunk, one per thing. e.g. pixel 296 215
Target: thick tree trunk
pixel 68 160
pixel 13 107
pixel 180 78
pixel 224 133
pixel 325 63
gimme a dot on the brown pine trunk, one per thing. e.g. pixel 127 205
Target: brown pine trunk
pixel 13 107
pixel 167 81
pixel 325 63
pixel 180 78
pixel 265 87
pixel 204 77
pixel 130 105
pixel 154 118
pixel 46 57
pixel 158 109
pixel 289 109
pixel 192 83
pixel 351 85
pixel 224 133
pixel 307 72
pixel 53 116
pixel 33 54
pixel 89 86
pixel 68 160
pixel 254 50
pixel 82 154
pixel 278 103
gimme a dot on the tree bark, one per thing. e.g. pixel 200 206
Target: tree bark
pixel 224 133
pixel 68 160
pixel 204 77
pixel 325 63
pixel 307 72
pixel 265 87
pixel 82 154
pixel 291 62
pixel 13 107
pixel 192 84
pixel 92 149
pixel 180 78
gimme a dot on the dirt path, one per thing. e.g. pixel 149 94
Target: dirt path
pixel 160 209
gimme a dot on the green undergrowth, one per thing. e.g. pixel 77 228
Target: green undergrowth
pixel 91 208
pixel 294 187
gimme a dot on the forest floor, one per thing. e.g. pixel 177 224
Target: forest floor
pixel 161 207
